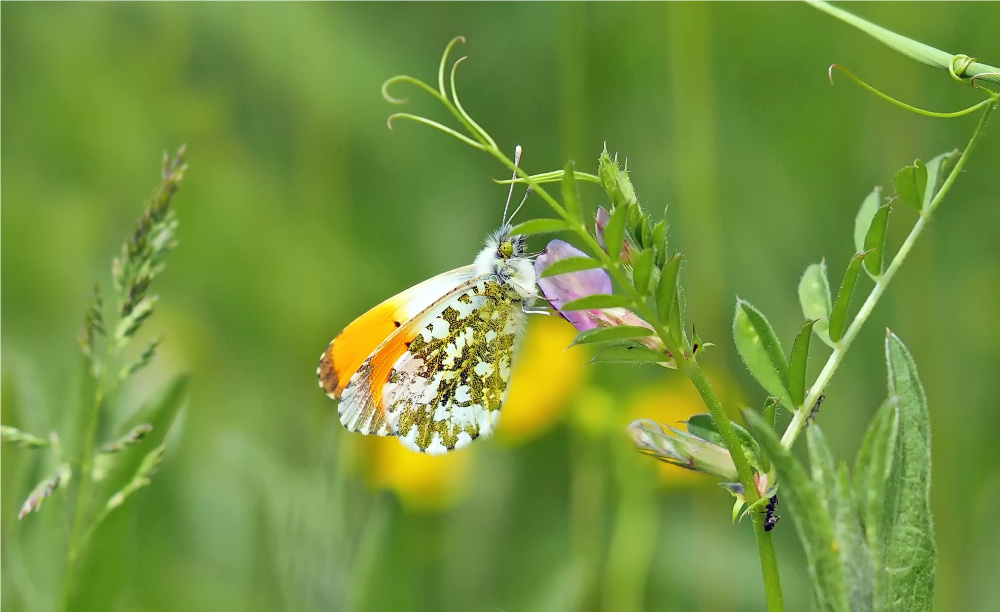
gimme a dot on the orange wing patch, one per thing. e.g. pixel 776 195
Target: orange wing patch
pixel 352 347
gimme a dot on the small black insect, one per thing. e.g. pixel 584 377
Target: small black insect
pixel 815 410
pixel 770 518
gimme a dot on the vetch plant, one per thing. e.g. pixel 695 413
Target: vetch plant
pixel 105 475
pixel 867 535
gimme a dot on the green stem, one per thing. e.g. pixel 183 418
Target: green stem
pixel 833 362
pixel 918 51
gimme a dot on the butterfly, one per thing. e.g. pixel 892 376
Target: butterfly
pixel 431 365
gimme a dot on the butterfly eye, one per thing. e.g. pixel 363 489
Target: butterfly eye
pixel 506 249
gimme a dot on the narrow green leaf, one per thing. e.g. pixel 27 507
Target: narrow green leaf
pixel 630 353
pixel 937 172
pixel 612 334
pixel 855 556
pixel 813 524
pixel 770 412
pixel 540 226
pixel 660 242
pixel 570 264
pixel 911 184
pixel 645 233
pixel 872 445
pixel 863 220
pixel 875 242
pixel 597 302
pixel 666 291
pixel 821 465
pixel 838 316
pixel 703 426
pixel 570 195
pixel 675 324
pixel 906 558
pixel 642 269
pixel 814 297
pixel 614 234
pixel 760 349
pixel 797 364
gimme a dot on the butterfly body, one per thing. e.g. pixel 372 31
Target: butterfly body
pixel 431 365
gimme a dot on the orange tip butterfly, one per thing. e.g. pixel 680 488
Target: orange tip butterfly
pixel 431 365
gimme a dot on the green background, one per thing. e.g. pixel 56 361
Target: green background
pixel 300 210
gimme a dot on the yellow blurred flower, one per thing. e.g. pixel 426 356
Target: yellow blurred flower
pixel 422 482
pixel 546 374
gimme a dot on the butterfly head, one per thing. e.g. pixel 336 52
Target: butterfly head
pixel 503 256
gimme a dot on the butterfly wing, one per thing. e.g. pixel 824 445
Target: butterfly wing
pixel 447 388
pixel 379 331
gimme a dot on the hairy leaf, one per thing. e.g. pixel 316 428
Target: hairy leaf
pixel 630 353
pixel 797 364
pixel 855 557
pixel 667 290
pixel 597 302
pixel 875 242
pixel 814 297
pixel 614 235
pixel 612 334
pixel 863 220
pixel 911 184
pixel 760 349
pixel 822 467
pixel 642 269
pixel 838 316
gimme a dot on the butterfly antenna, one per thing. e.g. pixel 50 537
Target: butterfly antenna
pixel 510 194
pixel 523 200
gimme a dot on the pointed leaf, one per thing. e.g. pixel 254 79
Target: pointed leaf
pixel 597 302
pixel 812 523
pixel 642 269
pixel 614 235
pixel 908 556
pixel 863 220
pixel 612 334
pixel 937 173
pixel 911 184
pixel 797 364
pixel 675 324
pixel 855 557
pixel 540 226
pixel 570 195
pixel 666 291
pixel 660 242
pixel 630 353
pixel 569 264
pixel 838 316
pixel 875 242
pixel 821 465
pixel 814 297
pixel 760 349
pixel 872 444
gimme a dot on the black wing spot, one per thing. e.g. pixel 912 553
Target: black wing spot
pixel 396 323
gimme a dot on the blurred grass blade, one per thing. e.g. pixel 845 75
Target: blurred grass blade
pixel 823 469
pixel 13 435
pixel 937 172
pixel 906 558
pixel 597 302
pixel 798 363
pixel 760 349
pixel 812 523
pixel 612 334
pixel 570 194
pixel 540 226
pixel 570 264
pixel 642 270
pixel 838 316
pixel 629 353
pixel 814 297
pixel 863 220
pixel 911 184
pixel 855 556
pixel 875 242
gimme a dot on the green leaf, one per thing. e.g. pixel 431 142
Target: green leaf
pixel 570 195
pixel 875 242
pixel 597 302
pixel 855 556
pixel 660 241
pixel 760 349
pixel 863 220
pixel 642 270
pixel 703 426
pixel 615 180
pixel 813 524
pixel 821 465
pixel 614 234
pixel 570 264
pixel 666 292
pixel 540 226
pixel 612 334
pixel 911 184
pixel 937 173
pixel 630 353
pixel 814 297
pixel 675 324
pixel 838 316
pixel 797 364
pixel 906 557
pixel 872 445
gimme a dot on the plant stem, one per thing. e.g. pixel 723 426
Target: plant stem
pixel 802 414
